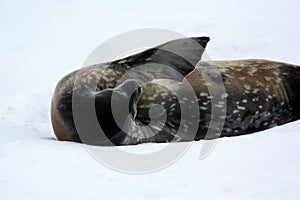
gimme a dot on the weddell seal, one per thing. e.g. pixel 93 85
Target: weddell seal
pixel 99 81
pixel 259 94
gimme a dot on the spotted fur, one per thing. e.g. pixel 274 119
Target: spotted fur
pixel 259 94
pixel 93 81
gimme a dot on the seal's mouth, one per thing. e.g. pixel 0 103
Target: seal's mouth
pixel 134 101
pixel 139 91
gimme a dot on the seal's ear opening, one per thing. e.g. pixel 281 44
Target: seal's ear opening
pixel 180 54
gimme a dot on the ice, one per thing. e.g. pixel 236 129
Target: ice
pixel 41 41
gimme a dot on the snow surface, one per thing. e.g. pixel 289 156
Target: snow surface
pixel 40 41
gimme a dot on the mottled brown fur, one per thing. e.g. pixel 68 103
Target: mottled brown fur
pixel 259 94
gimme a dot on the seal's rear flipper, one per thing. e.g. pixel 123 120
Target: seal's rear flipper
pixel 181 54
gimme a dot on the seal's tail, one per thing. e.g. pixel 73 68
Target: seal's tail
pixel 291 74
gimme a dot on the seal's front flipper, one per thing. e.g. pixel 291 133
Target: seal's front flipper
pixel 181 55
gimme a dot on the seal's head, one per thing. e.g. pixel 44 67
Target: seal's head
pixel 114 109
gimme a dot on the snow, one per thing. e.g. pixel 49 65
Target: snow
pixel 40 41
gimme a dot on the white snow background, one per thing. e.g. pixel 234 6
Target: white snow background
pixel 41 41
